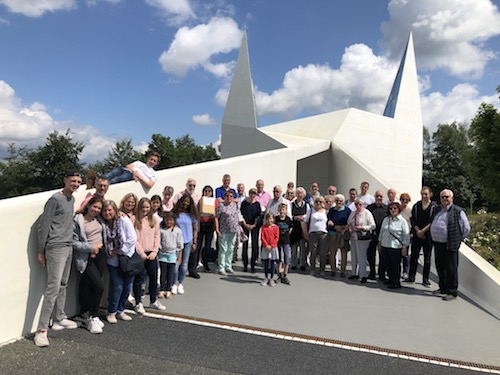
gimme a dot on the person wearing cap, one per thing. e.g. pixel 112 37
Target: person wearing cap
pixel 55 250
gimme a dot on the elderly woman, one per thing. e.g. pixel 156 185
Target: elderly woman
pixel 315 233
pixel 299 211
pixel 337 229
pixel 120 240
pixel 251 212
pixel 394 237
pixel 226 225
pixel 360 223
pixel 89 237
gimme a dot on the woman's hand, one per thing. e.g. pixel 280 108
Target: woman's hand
pixel 404 251
pixel 193 248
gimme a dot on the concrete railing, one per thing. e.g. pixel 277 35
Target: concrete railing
pixel 23 278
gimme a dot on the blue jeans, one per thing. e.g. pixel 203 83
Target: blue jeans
pixel 119 174
pixel 181 270
pixel 119 290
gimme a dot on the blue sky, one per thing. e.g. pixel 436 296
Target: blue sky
pixel 113 69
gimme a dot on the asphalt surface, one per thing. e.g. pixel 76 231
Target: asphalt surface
pixel 149 345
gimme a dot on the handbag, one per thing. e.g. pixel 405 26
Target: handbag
pixel 365 235
pixel 131 266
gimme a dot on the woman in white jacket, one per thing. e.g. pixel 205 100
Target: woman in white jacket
pixel 90 258
pixel 120 240
pixel 360 224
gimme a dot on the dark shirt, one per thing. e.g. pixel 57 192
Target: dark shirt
pixel 284 226
pixel 251 212
pixel 338 217
pixel 379 213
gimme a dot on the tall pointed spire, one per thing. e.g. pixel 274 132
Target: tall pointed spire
pixel 240 106
pixel 240 135
pixel 404 100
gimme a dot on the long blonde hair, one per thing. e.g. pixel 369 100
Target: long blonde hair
pixel 139 215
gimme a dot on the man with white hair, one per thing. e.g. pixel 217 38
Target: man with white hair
pixel 190 190
pixel 449 227
pixel 273 206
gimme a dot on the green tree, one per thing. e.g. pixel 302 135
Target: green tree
pixel 484 153
pixel 16 173
pixel 52 160
pixel 27 171
pixel 447 164
pixel 121 154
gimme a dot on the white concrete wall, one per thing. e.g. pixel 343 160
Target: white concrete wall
pixel 23 278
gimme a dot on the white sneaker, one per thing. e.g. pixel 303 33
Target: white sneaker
pixel 64 324
pixel 41 339
pixel 157 305
pixel 180 289
pixel 139 309
pixel 264 282
pixel 100 323
pixel 93 325
pixel 174 289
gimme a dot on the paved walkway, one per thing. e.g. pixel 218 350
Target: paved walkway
pixel 378 328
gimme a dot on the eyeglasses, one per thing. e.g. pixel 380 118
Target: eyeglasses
pixel 338 200
pixel 191 185
pixel 393 209
pixel 379 196
pixel 404 200
pixel 328 202
pixel 445 196
pixel 318 202
pixel 358 204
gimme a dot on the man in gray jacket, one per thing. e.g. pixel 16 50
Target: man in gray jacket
pixel 55 238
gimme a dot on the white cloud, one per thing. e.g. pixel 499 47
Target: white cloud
pixel 91 3
pixel 363 81
pixel 30 125
pixel 448 34
pixel 204 120
pixel 37 8
pixel 194 47
pixel 176 11
pixel 460 105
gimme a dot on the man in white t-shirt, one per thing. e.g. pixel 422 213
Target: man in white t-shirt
pixel 138 171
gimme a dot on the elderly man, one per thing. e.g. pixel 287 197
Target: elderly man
pixel 101 188
pixel 449 227
pixel 263 197
pixel 273 206
pixel 392 196
pixel 55 241
pixel 220 191
pixel 190 190
pixel 332 190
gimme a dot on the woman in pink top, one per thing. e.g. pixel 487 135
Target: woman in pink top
pixel 148 244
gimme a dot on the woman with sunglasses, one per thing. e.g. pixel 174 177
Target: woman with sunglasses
pixel 337 227
pixel 394 238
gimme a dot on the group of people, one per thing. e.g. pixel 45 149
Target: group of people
pixel 173 235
